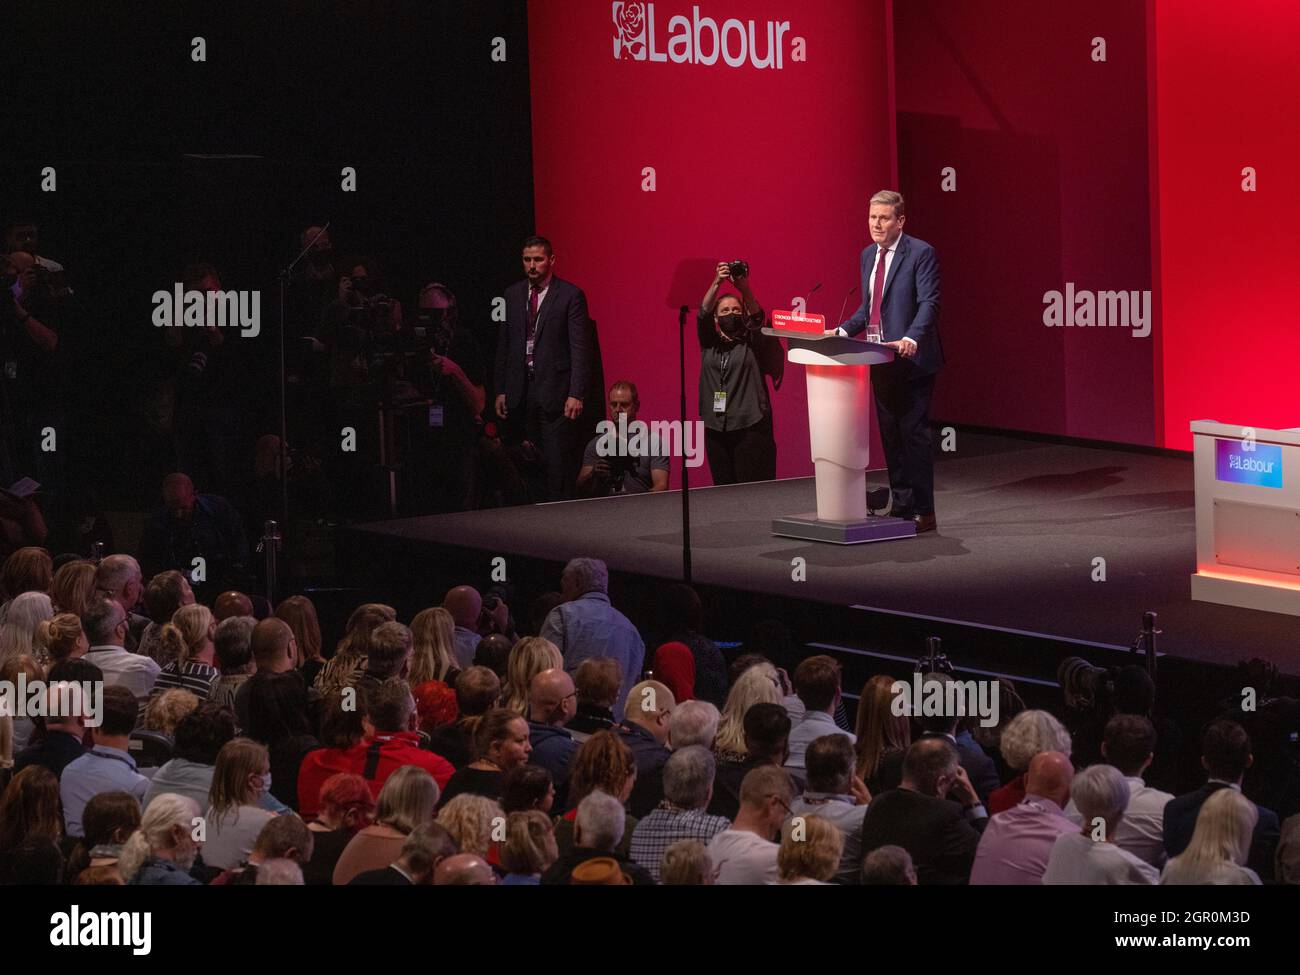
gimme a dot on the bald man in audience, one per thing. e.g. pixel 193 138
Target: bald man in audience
pixel 232 603
pixel 552 701
pixel 464 604
pixel 463 870
pixel 1017 842
pixel 274 652
pixel 644 730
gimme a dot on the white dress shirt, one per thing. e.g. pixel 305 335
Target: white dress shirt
pixel 132 670
pixel 887 252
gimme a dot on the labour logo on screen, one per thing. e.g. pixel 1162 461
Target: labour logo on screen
pixel 1248 462
pixel 642 35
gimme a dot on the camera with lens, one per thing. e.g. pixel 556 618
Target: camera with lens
pixel 738 269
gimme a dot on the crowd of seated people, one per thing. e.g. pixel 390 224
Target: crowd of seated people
pixel 229 747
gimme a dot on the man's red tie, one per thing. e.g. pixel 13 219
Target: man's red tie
pixel 530 326
pixel 878 288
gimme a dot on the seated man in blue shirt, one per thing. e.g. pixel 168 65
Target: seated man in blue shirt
pixel 108 766
pixel 817 685
pixel 634 468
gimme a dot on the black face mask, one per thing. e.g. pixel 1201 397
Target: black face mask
pixel 732 324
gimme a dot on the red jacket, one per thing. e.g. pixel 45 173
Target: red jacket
pixel 374 760
pixel 316 768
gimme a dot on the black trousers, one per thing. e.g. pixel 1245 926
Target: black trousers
pixel 903 411
pixel 556 439
pixel 736 456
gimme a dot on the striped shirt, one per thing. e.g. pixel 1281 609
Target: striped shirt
pixel 191 676
pixel 665 826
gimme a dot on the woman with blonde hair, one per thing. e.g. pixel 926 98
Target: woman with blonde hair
pixel 470 820
pixel 28 569
pixel 300 613
pixel 433 655
pixel 880 731
pixel 61 638
pixel 810 851
pixel 1026 735
pixel 529 847
pixel 241 780
pixel 27 611
pixel 74 586
pixel 349 660
pixel 407 800
pixel 528 658
pixel 16 732
pixel 757 685
pixel 187 642
pixel 168 709
pixel 1220 844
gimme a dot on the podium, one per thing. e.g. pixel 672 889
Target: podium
pixel 839 427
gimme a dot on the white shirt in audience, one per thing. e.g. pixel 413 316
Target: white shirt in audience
pixel 741 857
pixel 1141 831
pixel 133 671
pixel 1078 859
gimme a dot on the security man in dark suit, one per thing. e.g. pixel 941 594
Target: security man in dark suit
pixel 544 365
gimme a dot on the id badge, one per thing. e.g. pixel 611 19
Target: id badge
pixel 720 401
pixel 528 346
pixel 435 417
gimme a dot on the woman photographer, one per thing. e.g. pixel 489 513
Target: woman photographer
pixel 735 359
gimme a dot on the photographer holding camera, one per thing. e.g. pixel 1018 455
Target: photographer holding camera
pixel 735 359
pixel 622 473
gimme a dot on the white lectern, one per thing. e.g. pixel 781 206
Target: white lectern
pixel 1247 516
pixel 839 418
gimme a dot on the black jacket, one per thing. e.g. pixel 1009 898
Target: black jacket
pixel 1180 823
pixel 562 350
pixel 937 834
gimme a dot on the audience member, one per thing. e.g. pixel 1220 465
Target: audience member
pixel 388 743
pixel 817 684
pixel 65 728
pixel 107 628
pixel 232 602
pixel 118 578
pixel 108 821
pixel 1090 855
pixel 232 651
pixel 686 864
pixel 187 643
pixel 493 652
pixel 688 787
pixel 552 703
pixel 478 690
pixel 166 710
pixel 597 833
pixel 278 718
pixel 1028 734
pixel 888 866
pixel 1225 754
pixel 837 795
pixel 344 806
pixel 476 823
pixel 529 849
pixel 282 838
pixel 407 800
pixel 500 744
pixel 349 660
pixel 464 870
pixel 108 766
pixel 757 684
pixel 939 834
pixel 464 604
pixel 31 829
pixel 606 764
pixel 23 618
pixel 235 814
pixel 673 665
pixel 812 849
pixel 766 731
pixel 163 850
pixel 61 638
pixel 300 613
pixel 274 652
pixel 1017 843
pixel 682 619
pixel 694 723
pixel 597 682
pixel 745 853
pixel 1220 843
pixel 74 587
pixel 586 625
pixel 883 737
pixel 528 658
pixel 166 593
pixel 527 787
pixel 425 847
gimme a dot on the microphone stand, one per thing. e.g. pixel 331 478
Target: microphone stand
pixel 282 459
pixel 686 484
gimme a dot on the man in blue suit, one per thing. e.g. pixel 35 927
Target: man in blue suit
pixel 900 300
pixel 544 364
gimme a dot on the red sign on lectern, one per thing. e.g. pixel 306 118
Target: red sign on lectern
pixel 790 321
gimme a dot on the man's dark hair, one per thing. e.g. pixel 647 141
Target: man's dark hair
pixel 941 723
pixel 1226 750
pixel 817 681
pixel 120 709
pixel 75 671
pixel 829 762
pixel 388 704
pixel 538 241
pixel 926 760
pixel 524 787
pixel 493 652
pixel 477 690
pixel 202 732
pixel 282 834
pixel 767 729
pixel 390 645
pixel 1129 739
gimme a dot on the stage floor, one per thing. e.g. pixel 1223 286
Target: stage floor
pixel 1020 525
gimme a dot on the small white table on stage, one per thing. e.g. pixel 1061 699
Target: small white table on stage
pixel 1247 516
pixel 839 427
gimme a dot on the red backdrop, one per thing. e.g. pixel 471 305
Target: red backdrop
pixel 1226 94
pixel 771 165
